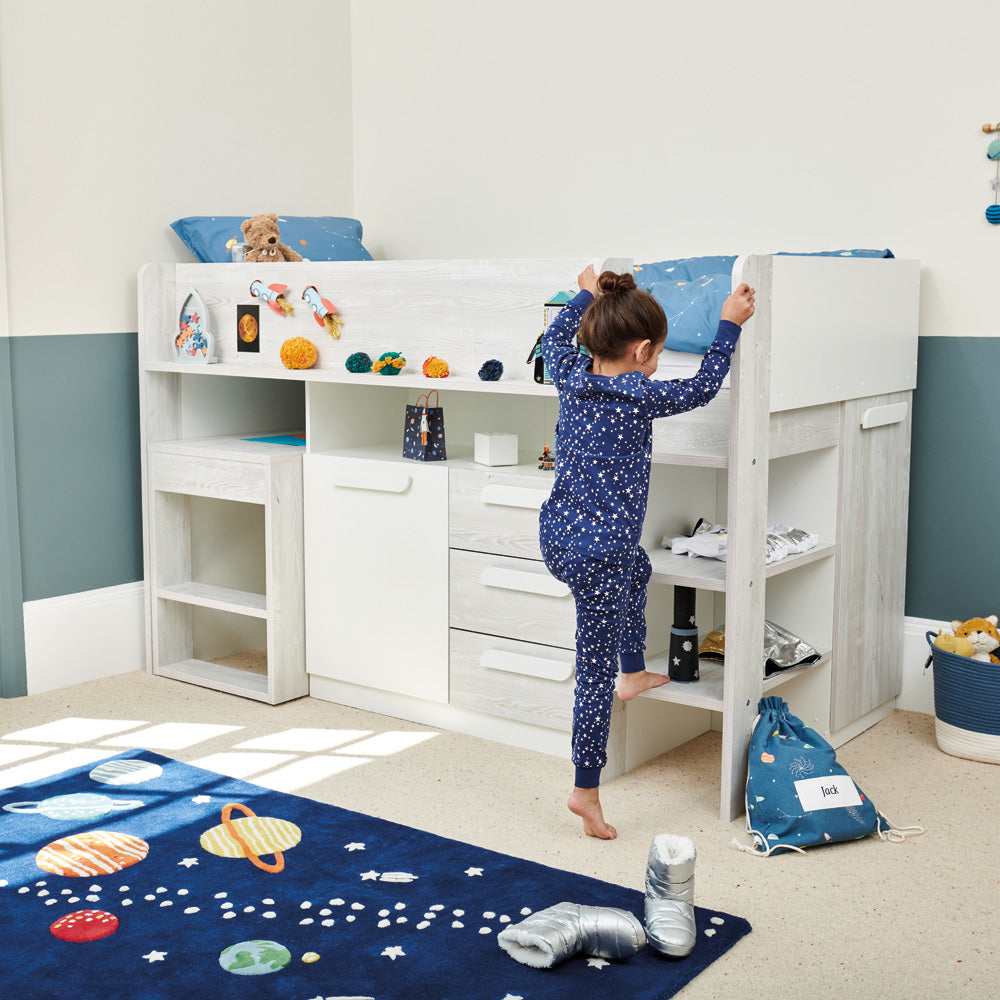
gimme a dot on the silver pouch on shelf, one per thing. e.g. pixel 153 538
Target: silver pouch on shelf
pixel 782 649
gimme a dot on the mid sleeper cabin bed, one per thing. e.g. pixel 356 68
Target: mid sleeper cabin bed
pixel 327 564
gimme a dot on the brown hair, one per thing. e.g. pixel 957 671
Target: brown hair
pixel 620 315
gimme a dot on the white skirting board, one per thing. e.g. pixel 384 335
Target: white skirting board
pixel 917 694
pixel 85 636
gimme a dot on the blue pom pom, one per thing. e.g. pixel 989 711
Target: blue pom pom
pixel 993 214
pixel 491 370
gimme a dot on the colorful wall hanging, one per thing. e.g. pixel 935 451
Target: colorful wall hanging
pixel 993 153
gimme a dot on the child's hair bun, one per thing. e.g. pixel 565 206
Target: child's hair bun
pixel 611 283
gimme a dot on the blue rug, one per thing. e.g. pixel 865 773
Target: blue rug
pixel 142 878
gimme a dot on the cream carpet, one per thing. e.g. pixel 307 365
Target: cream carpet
pixel 864 919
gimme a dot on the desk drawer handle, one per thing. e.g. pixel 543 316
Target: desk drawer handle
pixel 368 479
pixel 528 583
pixel 513 496
pixel 530 666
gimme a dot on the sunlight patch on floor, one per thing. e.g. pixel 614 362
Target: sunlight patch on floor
pixel 384 744
pixel 241 764
pixel 170 736
pixel 13 752
pixel 53 764
pixel 304 740
pixel 294 776
pixel 75 730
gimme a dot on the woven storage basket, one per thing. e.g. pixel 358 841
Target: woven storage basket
pixel 966 705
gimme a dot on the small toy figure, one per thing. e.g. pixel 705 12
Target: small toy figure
pixel 273 295
pixel 546 460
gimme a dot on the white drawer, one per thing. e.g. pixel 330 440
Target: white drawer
pixel 197 475
pixel 517 598
pixel 511 679
pixel 496 511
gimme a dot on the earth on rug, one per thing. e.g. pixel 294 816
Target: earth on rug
pixel 143 878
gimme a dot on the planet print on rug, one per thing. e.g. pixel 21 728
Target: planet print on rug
pixel 362 908
pixel 99 852
pixel 250 837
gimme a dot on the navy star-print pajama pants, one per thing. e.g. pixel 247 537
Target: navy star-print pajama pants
pixel 610 597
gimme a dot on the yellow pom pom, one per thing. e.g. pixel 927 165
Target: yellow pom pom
pixel 297 352
pixel 435 367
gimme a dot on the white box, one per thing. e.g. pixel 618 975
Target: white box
pixel 496 449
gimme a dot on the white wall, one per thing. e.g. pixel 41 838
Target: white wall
pixel 118 117
pixel 666 129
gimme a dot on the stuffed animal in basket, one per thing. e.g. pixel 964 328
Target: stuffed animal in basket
pixel 983 634
pixel 263 239
pixel 954 644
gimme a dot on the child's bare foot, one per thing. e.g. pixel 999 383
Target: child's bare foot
pixel 635 683
pixel 586 803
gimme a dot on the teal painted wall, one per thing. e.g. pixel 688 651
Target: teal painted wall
pixel 954 532
pixel 13 680
pixel 76 440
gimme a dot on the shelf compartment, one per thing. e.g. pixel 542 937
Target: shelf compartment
pixel 710 574
pixel 708 691
pixel 205 595
pixel 219 677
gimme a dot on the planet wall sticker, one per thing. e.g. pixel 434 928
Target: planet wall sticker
pixel 250 837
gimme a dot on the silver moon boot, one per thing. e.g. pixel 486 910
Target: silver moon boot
pixel 550 936
pixel 670 895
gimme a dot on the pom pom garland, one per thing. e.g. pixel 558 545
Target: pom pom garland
pixel 390 363
pixel 435 367
pixel 491 370
pixel 297 352
pixel 358 363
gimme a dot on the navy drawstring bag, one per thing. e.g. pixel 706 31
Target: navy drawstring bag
pixel 797 794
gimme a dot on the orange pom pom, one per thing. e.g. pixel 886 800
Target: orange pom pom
pixel 297 352
pixel 435 367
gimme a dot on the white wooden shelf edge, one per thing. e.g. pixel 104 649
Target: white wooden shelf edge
pixel 203 595
pixel 217 676
pixel 505 386
pixel 707 692
pixel 710 574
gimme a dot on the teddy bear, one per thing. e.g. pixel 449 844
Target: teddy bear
pixel 954 644
pixel 263 239
pixel 983 634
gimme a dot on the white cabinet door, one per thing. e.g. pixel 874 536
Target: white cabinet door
pixel 376 541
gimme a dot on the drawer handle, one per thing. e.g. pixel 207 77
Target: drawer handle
pixel 369 479
pixel 882 416
pixel 528 583
pixel 513 496
pixel 530 666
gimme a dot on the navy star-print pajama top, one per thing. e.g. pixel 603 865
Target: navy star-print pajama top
pixel 589 526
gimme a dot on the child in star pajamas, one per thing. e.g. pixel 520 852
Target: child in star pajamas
pixel 589 527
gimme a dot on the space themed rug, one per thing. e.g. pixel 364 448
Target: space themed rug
pixel 143 878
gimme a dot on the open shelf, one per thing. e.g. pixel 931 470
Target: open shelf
pixel 204 595
pixel 218 676
pixel 708 691
pixel 710 574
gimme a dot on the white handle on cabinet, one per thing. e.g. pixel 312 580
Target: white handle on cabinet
pixel 528 583
pixel 379 480
pixel 513 496
pixel 881 416
pixel 530 666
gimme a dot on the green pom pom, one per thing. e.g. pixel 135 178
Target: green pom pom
pixel 359 362
pixel 390 363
